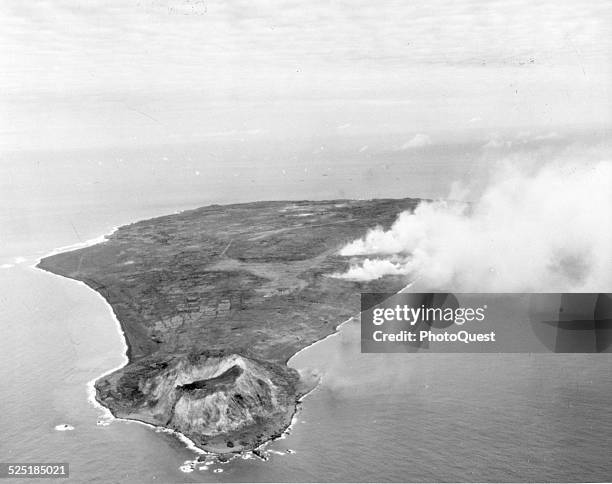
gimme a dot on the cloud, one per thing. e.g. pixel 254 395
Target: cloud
pixel 522 137
pixel 548 136
pixel 210 60
pixel 495 143
pixel 419 141
pixel 548 229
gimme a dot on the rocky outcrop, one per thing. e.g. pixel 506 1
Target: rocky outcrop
pixel 224 402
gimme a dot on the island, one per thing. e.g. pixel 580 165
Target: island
pixel 214 301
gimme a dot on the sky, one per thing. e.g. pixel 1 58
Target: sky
pixel 91 74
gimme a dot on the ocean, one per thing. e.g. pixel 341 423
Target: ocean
pixel 393 417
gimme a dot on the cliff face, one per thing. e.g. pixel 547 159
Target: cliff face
pixel 223 402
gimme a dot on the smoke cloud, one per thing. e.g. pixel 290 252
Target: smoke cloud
pixel 534 230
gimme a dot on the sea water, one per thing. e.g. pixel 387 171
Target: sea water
pixel 372 418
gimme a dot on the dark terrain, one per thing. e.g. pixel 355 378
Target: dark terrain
pixel 214 301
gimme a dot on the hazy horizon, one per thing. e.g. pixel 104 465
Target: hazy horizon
pixel 143 73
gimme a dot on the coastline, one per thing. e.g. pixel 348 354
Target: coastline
pixel 79 245
pixel 91 390
pixel 334 333
pixel 320 377
pixel 309 385
pixel 107 415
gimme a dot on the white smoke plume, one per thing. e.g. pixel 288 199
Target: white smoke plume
pixel 542 230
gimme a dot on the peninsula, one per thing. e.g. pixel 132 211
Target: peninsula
pixel 213 303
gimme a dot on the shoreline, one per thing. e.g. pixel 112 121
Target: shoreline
pixel 107 413
pixel 90 385
pixel 334 333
